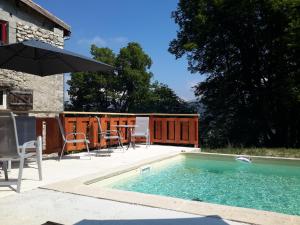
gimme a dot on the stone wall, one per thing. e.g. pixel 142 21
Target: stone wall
pixel 48 92
pixel 25 32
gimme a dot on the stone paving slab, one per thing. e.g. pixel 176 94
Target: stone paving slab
pixel 38 206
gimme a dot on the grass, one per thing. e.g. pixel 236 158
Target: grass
pixel 275 152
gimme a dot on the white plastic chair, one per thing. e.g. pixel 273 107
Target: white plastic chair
pixel 11 151
pixel 142 129
pixel 72 141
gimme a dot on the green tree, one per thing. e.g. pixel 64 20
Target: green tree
pixel 92 91
pixel 249 53
pixel 134 77
pixel 120 92
pixel 162 99
pixel 128 90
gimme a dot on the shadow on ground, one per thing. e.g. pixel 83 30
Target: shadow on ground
pixel 211 220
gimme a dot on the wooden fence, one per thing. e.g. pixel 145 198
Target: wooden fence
pixel 172 129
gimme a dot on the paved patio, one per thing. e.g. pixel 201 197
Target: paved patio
pixel 77 165
pixel 39 206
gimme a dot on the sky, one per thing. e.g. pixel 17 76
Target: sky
pixel 114 23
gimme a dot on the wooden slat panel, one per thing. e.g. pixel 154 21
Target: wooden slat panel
pixel 53 138
pixel 196 143
pixel 104 124
pixel 94 142
pixel 49 130
pixel 184 125
pixel 151 129
pixel 171 131
pixel 177 130
pixel 192 132
pixel 164 130
pixel 158 130
pixel 70 126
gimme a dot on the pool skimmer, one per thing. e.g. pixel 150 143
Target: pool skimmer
pixel 145 168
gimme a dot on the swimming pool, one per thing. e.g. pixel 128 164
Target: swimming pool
pixel 272 185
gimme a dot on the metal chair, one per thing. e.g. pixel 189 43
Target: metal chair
pixel 10 149
pixel 71 141
pixel 142 129
pixel 109 134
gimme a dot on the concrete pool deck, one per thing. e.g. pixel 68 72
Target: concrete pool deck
pixel 78 165
pixel 38 206
pixel 65 198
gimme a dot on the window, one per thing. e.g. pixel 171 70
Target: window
pixel 2 99
pixel 3 32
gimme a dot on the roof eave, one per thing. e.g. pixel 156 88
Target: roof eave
pixel 50 16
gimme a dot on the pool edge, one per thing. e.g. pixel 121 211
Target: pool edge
pixel 79 186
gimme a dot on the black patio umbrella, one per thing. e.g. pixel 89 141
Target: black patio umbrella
pixel 40 58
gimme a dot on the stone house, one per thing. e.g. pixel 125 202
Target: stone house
pixel 23 20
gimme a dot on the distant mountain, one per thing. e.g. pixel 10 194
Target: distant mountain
pixel 197 105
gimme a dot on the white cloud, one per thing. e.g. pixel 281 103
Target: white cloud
pixel 95 40
pixel 119 40
pixel 104 42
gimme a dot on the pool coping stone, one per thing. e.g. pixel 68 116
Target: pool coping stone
pixel 80 186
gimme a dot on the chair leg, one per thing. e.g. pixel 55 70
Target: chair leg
pixel 62 151
pixel 108 144
pixel 20 174
pixel 39 156
pixel 120 143
pixel 148 141
pixel 133 142
pixel 120 140
pixel 88 150
pixel 9 165
pixel 4 166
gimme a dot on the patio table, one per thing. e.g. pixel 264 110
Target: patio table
pixel 130 129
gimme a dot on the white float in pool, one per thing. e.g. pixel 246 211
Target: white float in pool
pixel 243 159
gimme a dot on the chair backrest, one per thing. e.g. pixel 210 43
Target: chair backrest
pixel 142 125
pixel 99 124
pixel 26 128
pixel 8 135
pixel 62 131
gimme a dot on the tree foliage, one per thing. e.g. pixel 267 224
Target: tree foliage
pixel 128 90
pixel 249 53
pixel 162 99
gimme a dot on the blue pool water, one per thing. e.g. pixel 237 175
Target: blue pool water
pixel 261 185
